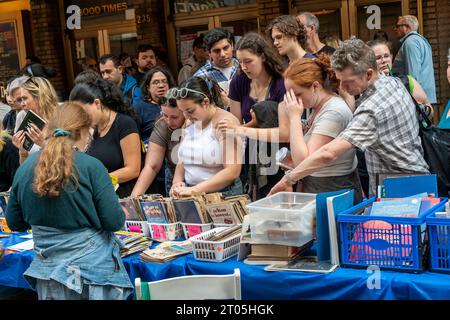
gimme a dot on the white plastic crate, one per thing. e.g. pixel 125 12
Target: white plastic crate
pixel 193 229
pixel 137 226
pixel 165 231
pixel 215 251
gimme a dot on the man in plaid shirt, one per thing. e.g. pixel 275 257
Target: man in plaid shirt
pixel 221 66
pixel 384 124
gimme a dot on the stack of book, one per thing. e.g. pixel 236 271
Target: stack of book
pixel 201 209
pixel 166 251
pixel 411 207
pixel 132 209
pixel 225 234
pixel 230 210
pixel 134 242
pixel 157 209
pixel 263 254
pixel 153 208
pixel 191 210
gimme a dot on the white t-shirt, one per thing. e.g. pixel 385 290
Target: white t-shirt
pixel 333 118
pixel 227 72
pixel 201 154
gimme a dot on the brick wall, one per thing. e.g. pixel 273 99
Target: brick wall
pixel 269 10
pixel 47 43
pixel 153 31
pixel 436 28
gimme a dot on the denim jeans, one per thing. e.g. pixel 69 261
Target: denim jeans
pixel 233 189
pixel 53 290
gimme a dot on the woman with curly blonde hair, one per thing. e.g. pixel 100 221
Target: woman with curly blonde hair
pixel 38 95
pixel 67 198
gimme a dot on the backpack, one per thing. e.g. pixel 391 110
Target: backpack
pixel 436 149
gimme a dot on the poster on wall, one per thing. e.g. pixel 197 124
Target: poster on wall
pixel 9 52
pixel 186 41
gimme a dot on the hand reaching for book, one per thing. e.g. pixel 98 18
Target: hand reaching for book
pixel 175 188
pixel 186 192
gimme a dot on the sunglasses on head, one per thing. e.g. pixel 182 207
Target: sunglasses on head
pixel 31 79
pixel 182 93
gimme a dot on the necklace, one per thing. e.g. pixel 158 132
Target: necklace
pixel 100 130
pixel 257 93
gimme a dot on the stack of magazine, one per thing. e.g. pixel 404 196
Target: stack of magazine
pixel 157 209
pixel 167 251
pixel 133 242
pixel 231 210
pixel 200 209
pixel 150 208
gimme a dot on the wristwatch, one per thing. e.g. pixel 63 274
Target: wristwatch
pixel 289 180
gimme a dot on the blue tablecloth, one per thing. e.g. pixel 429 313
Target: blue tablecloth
pixel 257 284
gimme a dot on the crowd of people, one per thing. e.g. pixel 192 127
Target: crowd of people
pixel 345 112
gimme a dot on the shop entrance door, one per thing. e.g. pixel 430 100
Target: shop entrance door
pixel 95 40
pixel 239 19
pixel 344 18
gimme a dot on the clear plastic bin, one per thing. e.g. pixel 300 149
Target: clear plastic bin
pixel 286 218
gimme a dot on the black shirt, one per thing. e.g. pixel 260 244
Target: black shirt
pixel 9 121
pixel 107 149
pixel 9 162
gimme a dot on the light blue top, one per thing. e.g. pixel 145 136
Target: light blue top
pixel 415 57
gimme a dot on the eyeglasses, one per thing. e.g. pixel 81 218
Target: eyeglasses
pixel 182 93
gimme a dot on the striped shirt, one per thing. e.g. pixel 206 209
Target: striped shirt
pixel 385 126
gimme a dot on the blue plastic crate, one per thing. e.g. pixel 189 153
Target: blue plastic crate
pixel 395 243
pixel 439 233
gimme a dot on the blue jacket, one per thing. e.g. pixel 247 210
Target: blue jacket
pixel 415 57
pixel 130 89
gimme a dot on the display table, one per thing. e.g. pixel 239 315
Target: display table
pixel 257 284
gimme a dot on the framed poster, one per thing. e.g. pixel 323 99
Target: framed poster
pixel 9 51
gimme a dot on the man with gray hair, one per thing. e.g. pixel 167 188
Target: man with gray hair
pixel 415 56
pixel 384 124
pixel 313 44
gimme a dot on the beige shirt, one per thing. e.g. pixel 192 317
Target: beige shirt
pixel 333 118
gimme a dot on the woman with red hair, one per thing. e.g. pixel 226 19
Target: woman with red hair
pixel 311 84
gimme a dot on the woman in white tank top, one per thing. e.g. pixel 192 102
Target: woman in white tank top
pixel 208 161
